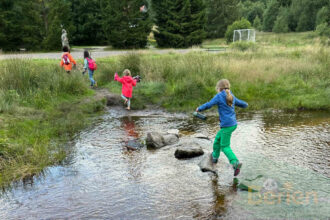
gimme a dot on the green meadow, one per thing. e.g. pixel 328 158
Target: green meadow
pixel 42 107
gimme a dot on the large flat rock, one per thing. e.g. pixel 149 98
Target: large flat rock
pixel 188 151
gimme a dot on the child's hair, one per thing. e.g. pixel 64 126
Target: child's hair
pixel 86 54
pixel 65 48
pixel 127 72
pixel 225 85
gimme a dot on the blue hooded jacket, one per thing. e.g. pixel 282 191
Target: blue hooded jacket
pixel 226 113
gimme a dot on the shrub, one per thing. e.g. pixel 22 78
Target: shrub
pixel 323 29
pixel 243 46
pixel 240 24
pixel 131 61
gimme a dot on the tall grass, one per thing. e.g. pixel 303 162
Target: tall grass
pixel 40 110
pixel 270 75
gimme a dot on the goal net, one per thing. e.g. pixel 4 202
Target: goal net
pixel 244 35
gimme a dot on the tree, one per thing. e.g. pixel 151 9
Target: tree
pixel 59 17
pixel 20 25
pixel 180 23
pixel 240 24
pixel 257 23
pixel 220 14
pixel 250 10
pixel 304 12
pixel 323 15
pixel 270 15
pixel 87 20
pixel 124 25
pixel 281 24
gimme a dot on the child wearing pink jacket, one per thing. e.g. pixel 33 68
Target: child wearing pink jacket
pixel 128 83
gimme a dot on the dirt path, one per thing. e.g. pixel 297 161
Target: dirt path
pixel 96 53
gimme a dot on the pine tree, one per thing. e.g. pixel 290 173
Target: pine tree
pixel 20 25
pixel 220 14
pixel 124 25
pixel 281 24
pixel 257 23
pixel 180 23
pixel 270 15
pixel 167 33
pixel 60 16
pixel 87 20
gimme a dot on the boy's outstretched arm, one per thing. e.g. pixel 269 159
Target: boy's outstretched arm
pixel 208 105
pixel 240 103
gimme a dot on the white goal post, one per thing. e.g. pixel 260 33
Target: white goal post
pixel 244 35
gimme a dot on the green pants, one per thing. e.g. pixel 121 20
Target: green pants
pixel 222 142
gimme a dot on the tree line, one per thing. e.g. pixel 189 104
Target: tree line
pixel 37 24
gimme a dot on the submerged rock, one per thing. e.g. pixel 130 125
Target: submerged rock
pixel 188 151
pixel 173 131
pixel 134 144
pixel 170 139
pixel 206 164
pixel 155 140
pixel 113 99
pixel 201 136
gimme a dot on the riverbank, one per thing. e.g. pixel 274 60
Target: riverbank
pixel 41 109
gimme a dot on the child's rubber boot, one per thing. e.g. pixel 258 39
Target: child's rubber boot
pixel 237 168
pixel 199 115
pixel 214 160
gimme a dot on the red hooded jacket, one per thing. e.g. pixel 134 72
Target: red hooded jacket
pixel 128 82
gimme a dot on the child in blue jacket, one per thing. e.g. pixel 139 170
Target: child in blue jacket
pixel 226 102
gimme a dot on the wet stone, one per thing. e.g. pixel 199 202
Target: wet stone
pixel 134 144
pixel 206 164
pixel 183 152
pixel 201 136
pixel 155 140
pixel 173 131
pixel 113 99
pixel 170 139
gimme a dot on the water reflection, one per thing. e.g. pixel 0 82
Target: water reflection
pixel 106 181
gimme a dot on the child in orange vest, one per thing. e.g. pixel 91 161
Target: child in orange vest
pixel 67 60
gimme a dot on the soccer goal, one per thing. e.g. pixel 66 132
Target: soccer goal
pixel 244 35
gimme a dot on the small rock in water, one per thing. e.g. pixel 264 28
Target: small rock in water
pixel 134 144
pixel 173 131
pixel 188 151
pixel 170 139
pixel 206 164
pixel 201 136
pixel 155 140
pixel 113 99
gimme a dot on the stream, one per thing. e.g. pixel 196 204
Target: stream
pixel 285 156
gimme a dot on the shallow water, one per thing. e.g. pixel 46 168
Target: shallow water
pixel 286 158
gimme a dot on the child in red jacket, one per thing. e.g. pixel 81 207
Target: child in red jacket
pixel 127 86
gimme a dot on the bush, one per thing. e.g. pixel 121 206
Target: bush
pixel 240 24
pixel 323 30
pixel 243 46
pixel 131 61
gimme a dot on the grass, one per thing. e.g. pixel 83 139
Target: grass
pixel 282 71
pixel 41 108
